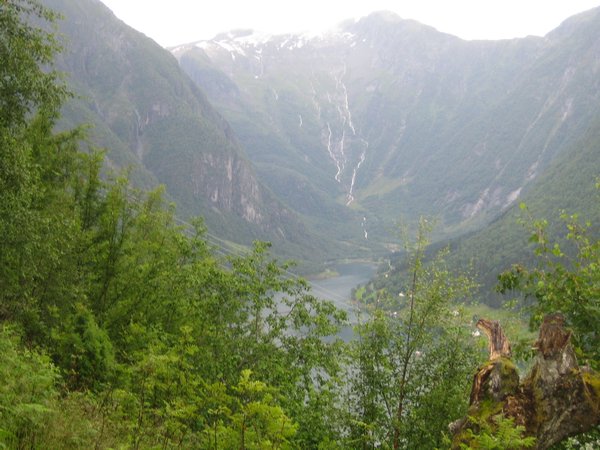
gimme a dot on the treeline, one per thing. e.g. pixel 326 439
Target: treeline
pixel 121 329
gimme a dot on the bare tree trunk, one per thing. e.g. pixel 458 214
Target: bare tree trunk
pixel 556 400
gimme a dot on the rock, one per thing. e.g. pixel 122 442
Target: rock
pixel 556 400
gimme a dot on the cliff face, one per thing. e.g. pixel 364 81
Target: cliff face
pixel 152 117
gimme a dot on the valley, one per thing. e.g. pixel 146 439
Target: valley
pixel 384 120
pixel 158 206
pixel 323 144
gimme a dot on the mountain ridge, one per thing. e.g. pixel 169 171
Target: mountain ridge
pixel 390 118
pixel 150 116
pixel 321 143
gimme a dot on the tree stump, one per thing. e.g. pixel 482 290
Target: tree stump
pixel 556 400
pixel 498 344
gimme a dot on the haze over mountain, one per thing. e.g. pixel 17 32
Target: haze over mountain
pixel 151 117
pixel 120 328
pixel 386 118
pixel 321 143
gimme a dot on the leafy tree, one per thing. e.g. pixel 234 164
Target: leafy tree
pixel 566 279
pixel 412 359
pixel 255 421
pixel 34 413
pixel 84 350
pixel 25 86
pixel 35 165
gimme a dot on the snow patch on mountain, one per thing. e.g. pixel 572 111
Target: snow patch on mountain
pixel 250 41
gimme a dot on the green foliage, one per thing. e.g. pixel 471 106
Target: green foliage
pixel 24 86
pixel 137 334
pixel 254 420
pixel 84 350
pixel 33 411
pixel 566 281
pixel 27 392
pixel 153 336
pixel 29 99
pixel 413 359
pixel 587 441
pixel 565 278
pixel 503 434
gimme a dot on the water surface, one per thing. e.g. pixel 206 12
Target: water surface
pixel 338 289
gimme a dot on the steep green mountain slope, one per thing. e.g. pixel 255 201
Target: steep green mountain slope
pixel 387 118
pixel 151 116
pixel 567 187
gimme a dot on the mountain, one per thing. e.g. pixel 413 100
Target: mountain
pixel 386 118
pixel 150 116
pixel 320 143
pixel 567 187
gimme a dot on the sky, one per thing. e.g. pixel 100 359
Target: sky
pixel 173 22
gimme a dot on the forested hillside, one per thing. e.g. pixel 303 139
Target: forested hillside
pixel 121 329
pixel 152 119
pixel 567 188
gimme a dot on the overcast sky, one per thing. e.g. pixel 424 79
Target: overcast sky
pixel 172 22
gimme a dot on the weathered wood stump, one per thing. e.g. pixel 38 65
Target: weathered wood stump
pixel 556 400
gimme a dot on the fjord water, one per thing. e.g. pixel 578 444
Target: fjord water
pixel 338 289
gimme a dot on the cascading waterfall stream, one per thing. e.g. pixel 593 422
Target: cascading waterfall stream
pixel 337 148
pixel 344 144
pixel 363 155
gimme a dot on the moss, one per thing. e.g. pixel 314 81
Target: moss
pixel 500 379
pixel 487 409
pixel 592 381
pixel 479 416
pixel 504 376
pixel 536 397
pixel 507 366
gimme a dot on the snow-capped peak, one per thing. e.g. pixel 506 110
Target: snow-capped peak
pixel 244 41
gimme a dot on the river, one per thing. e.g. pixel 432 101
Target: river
pixel 338 289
